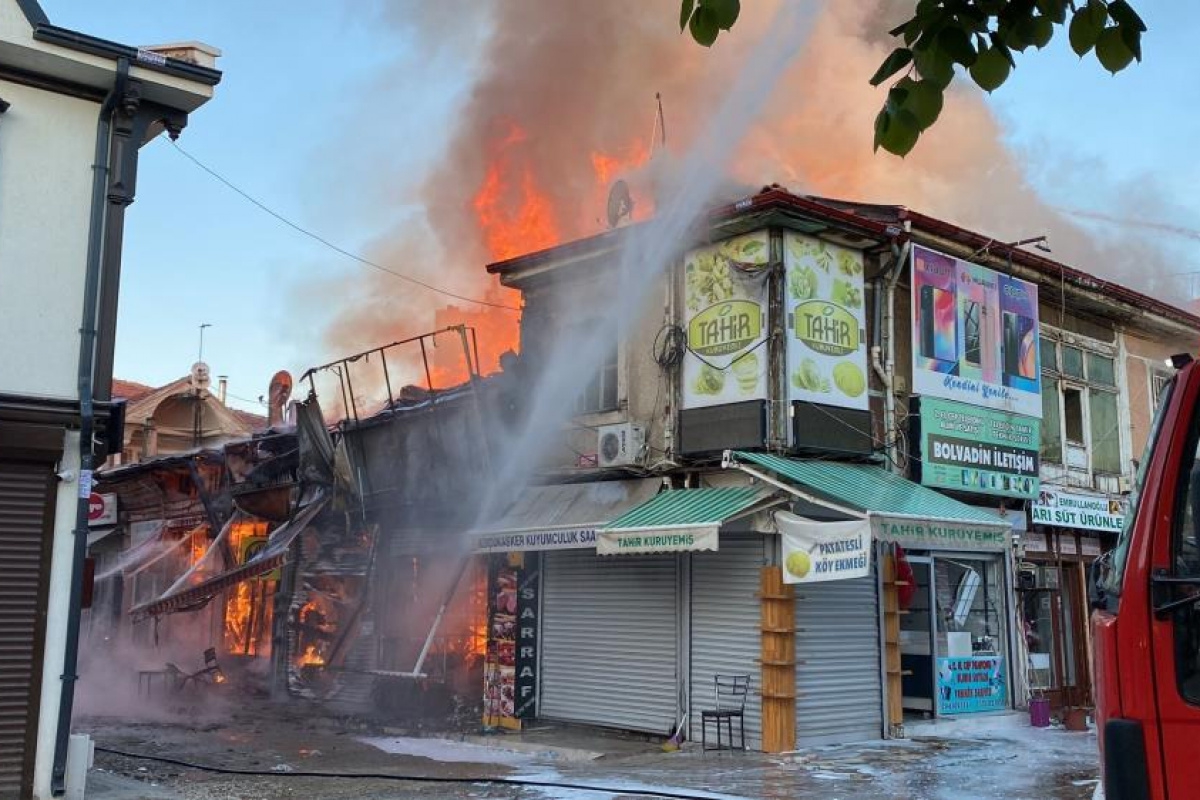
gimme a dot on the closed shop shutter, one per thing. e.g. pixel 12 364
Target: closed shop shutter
pixel 838 682
pixel 726 622
pixel 26 491
pixel 610 640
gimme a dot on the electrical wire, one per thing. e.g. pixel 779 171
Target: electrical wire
pixel 322 240
pixel 385 776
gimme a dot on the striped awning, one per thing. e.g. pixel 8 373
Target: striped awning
pixel 682 520
pixel 187 598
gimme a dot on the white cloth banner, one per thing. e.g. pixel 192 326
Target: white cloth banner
pixel 823 551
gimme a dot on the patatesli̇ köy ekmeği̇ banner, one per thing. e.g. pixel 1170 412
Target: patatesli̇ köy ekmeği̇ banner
pixel 725 296
pixel 974 335
pixel 826 320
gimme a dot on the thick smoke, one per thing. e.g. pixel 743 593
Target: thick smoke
pixel 556 84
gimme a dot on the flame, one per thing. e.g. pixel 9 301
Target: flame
pixel 247 608
pixel 311 658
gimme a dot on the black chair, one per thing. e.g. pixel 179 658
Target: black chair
pixel 729 692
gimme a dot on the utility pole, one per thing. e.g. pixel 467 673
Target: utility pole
pixel 198 413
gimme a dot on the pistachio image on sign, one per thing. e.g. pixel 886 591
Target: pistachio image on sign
pixel 709 381
pixel 808 376
pixel 850 379
pixel 743 252
pixel 846 294
pixel 802 284
pixel 745 369
pixel 709 281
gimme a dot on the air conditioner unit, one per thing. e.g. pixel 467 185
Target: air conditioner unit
pixel 620 445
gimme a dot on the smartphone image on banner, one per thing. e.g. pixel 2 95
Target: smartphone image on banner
pixel 973 333
pixel 1020 352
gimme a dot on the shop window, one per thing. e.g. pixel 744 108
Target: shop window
pixel 1158 385
pixel 1073 415
pixel 1072 362
pixel 1106 444
pixel 1051 449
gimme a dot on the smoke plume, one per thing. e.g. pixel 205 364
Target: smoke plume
pixel 563 102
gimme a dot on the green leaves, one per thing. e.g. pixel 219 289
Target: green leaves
pixel 911 107
pixel 991 69
pixel 705 19
pixel 1112 52
pixel 1086 26
pixel 900 58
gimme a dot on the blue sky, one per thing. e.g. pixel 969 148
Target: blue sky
pixel 298 76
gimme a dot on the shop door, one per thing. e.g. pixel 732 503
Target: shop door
pixel 27 492
pixel 916 641
pixel 839 695
pixel 726 620
pixel 610 640
pixel 971 643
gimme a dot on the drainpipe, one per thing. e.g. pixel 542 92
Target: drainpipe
pixel 883 353
pixel 87 412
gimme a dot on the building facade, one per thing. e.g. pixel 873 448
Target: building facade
pixel 814 375
pixel 74 109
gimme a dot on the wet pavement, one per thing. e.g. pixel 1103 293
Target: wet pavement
pixel 991 757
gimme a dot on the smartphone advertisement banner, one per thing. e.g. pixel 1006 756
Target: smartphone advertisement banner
pixel 973 449
pixel 975 335
pixel 726 295
pixel 826 323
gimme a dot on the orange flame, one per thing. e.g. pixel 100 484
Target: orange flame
pixel 311 658
pixel 247 617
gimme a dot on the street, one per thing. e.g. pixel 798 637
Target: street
pixel 992 757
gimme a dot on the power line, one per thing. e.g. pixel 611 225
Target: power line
pixel 318 238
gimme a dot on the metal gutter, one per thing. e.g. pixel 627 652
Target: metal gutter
pixel 87 457
pixel 93 45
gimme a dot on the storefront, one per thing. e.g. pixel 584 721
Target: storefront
pixel 1070 530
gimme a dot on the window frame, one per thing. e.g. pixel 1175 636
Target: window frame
pixel 1057 340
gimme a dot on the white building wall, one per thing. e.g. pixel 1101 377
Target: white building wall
pixel 57 601
pixel 46 149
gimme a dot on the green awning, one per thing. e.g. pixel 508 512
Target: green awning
pixel 681 519
pixel 901 510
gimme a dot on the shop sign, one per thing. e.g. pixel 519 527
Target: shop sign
pixel 922 534
pixel 1092 512
pixel 826 322
pixel 510 666
pixel 974 334
pixel 102 509
pixel 814 552
pixel 1036 543
pixel 656 540
pixel 969 684
pixel 543 539
pixel 726 321
pixel 975 449
pixel 251 547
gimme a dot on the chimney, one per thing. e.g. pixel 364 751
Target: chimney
pixel 222 383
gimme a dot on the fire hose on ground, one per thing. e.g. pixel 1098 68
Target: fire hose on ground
pixel 387 776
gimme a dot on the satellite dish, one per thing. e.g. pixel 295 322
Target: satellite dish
pixel 620 203
pixel 200 377
pixel 277 396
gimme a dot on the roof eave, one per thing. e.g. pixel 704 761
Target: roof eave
pixel 44 31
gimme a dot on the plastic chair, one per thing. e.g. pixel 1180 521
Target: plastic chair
pixel 729 693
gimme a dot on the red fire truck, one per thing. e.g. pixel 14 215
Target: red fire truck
pixel 1146 617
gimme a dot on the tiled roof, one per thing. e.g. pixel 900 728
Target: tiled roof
pixel 130 390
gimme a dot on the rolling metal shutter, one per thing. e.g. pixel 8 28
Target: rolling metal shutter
pixel 26 493
pixel 726 622
pixel 838 679
pixel 610 640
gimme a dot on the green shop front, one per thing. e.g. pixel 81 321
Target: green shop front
pixel 945 599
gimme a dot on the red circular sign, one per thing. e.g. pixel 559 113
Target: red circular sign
pixel 95 507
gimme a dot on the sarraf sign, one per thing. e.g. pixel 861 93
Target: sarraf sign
pixel 826 321
pixel 974 334
pixel 814 552
pixel 726 312
pixel 1091 512
pixel 975 449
